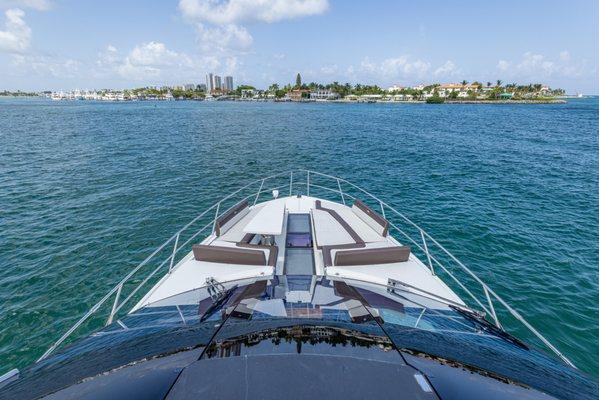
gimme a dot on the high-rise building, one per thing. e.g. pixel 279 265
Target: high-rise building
pixel 217 83
pixel 214 83
pixel 228 83
pixel 209 82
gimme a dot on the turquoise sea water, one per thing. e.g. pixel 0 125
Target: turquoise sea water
pixel 87 190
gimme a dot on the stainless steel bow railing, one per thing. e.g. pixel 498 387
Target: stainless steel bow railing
pixel 430 248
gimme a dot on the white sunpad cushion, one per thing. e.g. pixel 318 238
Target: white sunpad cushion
pixel 328 231
pixel 234 228
pixel 378 228
pixel 411 272
pixel 192 274
pixel 363 230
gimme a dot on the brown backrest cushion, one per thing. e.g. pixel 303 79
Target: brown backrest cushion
pixel 326 251
pixel 371 217
pixel 228 255
pixel 354 235
pixel 385 255
pixel 229 215
pixel 273 251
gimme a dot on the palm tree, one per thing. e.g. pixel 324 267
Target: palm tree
pixel 488 84
pixel 499 82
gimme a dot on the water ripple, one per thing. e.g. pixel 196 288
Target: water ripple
pixel 88 190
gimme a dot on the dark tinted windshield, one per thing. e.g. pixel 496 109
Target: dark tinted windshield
pixel 336 317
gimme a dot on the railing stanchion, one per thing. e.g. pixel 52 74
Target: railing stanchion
pixel 428 256
pixel 259 190
pixel 215 216
pixel 170 267
pixel 340 191
pixel 489 293
pixel 491 308
pixel 114 305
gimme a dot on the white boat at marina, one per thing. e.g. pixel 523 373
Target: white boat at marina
pixel 301 285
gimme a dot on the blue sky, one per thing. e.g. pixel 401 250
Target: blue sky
pixel 61 44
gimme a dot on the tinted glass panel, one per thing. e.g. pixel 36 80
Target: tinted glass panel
pixel 299 261
pixel 298 223
pixel 299 240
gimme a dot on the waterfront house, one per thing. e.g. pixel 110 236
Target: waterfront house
pixel 458 87
pixel 370 98
pixel 323 94
pixel 395 88
pixel 247 93
pixel 545 91
pixel 298 94
pixel 402 97
pixel 450 87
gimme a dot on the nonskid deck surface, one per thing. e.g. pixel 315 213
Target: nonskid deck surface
pixel 311 234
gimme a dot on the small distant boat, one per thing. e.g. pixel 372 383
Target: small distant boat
pixel 310 294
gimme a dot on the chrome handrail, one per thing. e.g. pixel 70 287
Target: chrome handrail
pixel 489 293
pixel 118 287
pixel 425 247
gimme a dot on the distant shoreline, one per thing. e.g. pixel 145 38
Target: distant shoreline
pixel 545 101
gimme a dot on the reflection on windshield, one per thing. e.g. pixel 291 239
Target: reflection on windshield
pixel 303 339
pixel 319 317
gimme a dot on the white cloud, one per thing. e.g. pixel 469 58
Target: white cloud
pixel 219 28
pixel 503 65
pixel 154 60
pixel 17 35
pixel 564 55
pixel 234 11
pixel 231 65
pixel 401 66
pixel 533 63
pixel 393 68
pixel 147 60
pixel 223 39
pixel 152 54
pixel 40 65
pixel 538 66
pixel 40 5
pixel 108 57
pixel 447 69
pixel 329 69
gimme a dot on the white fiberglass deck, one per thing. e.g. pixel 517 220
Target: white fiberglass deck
pixel 326 229
pixel 319 241
pixel 269 220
